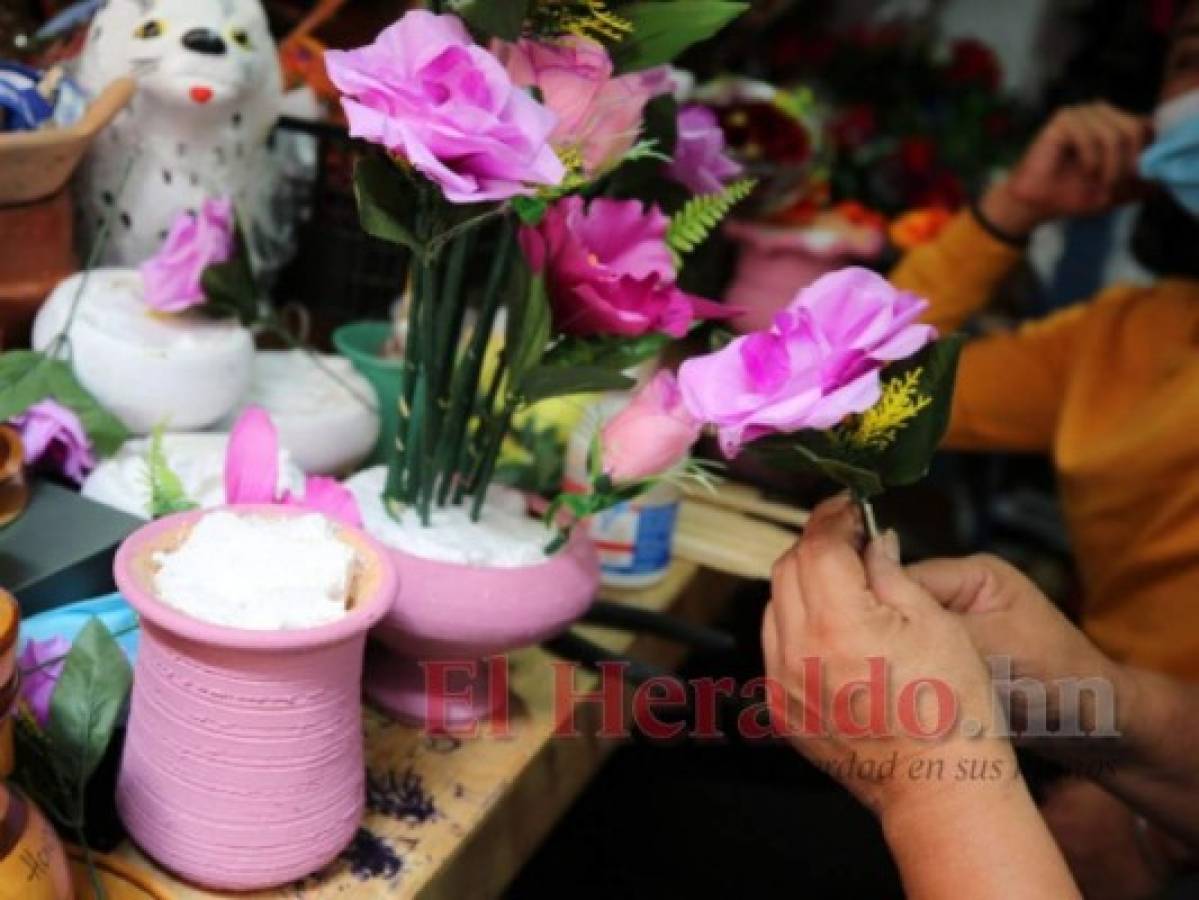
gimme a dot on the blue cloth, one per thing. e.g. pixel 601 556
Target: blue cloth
pixel 26 108
pixel 1173 161
pixel 67 621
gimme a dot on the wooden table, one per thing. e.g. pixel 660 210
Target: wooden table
pixel 458 818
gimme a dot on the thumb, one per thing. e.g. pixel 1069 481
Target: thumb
pixel 960 585
pixel 888 580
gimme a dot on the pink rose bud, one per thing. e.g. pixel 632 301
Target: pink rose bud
pixel 651 435
pixel 174 276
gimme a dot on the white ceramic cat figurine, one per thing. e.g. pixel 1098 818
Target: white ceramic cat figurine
pixel 209 91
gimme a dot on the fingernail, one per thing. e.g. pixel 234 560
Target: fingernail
pixel 890 544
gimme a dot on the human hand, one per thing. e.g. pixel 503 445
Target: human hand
pixel 836 618
pixel 1082 163
pixel 1060 685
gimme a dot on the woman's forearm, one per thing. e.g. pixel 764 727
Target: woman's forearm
pixel 1157 772
pixel 982 840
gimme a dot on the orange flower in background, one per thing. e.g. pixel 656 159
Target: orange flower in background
pixel 919 226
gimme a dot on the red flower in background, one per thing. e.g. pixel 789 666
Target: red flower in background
pixel 973 62
pixel 856 125
pixel 918 155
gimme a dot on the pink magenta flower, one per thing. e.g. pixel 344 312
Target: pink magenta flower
pixel 651 435
pixel 54 437
pixel 41 665
pixel 599 116
pixel 252 473
pixel 426 91
pixel 700 164
pixel 608 270
pixel 173 277
pixel 817 364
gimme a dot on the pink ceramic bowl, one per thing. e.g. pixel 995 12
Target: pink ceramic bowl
pixel 450 612
pixel 243 765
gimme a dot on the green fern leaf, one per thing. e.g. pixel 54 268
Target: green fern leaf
pixel 166 490
pixel 692 224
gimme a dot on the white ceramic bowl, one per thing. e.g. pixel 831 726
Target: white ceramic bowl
pixel 325 414
pixel 148 368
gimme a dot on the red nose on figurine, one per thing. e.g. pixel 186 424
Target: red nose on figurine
pixel 201 94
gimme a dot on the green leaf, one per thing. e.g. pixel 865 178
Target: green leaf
pixel 815 452
pixel 23 381
pixel 907 460
pixel 544 382
pixel 27 377
pixel 530 210
pixel 492 18
pixel 230 288
pixel 663 30
pixel 528 327
pixel 607 352
pixel 106 432
pixel 386 201
pixel 166 490
pixel 86 702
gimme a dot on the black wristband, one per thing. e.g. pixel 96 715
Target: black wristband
pixel 1018 243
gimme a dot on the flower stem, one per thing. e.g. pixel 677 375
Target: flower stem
pixel 464 395
pixel 491 453
pixel 868 518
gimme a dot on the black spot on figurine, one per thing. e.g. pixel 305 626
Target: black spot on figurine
pixel 126 220
pixel 167 176
pixel 237 120
pixel 181 149
pixel 162 235
pixel 108 198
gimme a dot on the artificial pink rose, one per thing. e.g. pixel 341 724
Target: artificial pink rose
pixel 426 91
pixel 173 277
pixel 54 437
pixel 41 665
pixel 700 163
pixel 817 364
pixel 651 435
pixel 598 116
pixel 252 473
pixel 608 270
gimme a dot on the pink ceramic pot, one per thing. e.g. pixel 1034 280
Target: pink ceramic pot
pixel 243 764
pixel 774 264
pixel 460 614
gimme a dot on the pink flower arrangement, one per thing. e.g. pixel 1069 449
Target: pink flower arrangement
pixel 173 277
pixel 54 437
pixel 651 435
pixel 817 364
pixel 700 163
pixel 599 115
pixel 41 665
pixel 252 473
pixel 426 91
pixel 608 270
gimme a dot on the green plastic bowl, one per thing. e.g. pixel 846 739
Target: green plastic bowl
pixel 362 344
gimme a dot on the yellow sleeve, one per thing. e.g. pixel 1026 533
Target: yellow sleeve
pixel 1010 386
pixel 957 272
